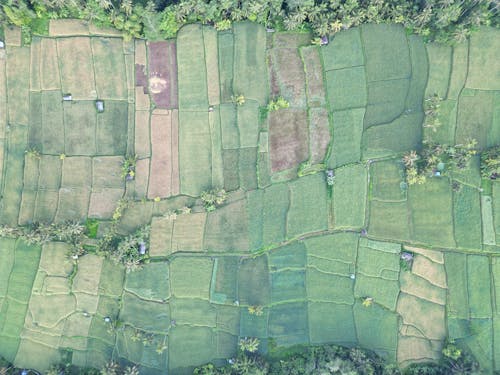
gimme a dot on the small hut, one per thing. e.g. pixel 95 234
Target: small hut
pixel 67 97
pixel 99 105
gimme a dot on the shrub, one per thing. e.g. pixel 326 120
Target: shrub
pixel 213 198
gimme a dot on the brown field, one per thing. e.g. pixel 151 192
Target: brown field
pixel 288 138
pixel 163 74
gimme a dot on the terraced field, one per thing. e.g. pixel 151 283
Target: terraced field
pixel 283 241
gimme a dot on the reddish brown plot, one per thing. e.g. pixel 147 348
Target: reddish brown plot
pixel 163 74
pixel 288 138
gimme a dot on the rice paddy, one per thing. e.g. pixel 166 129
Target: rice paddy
pixel 320 264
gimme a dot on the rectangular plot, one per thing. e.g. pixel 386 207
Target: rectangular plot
pixel 18 84
pixel 194 134
pixel 250 72
pixel 151 282
pixel 479 286
pixel 73 204
pixel 161 236
pixel 288 256
pixel 420 287
pixel 377 263
pixel 226 228
pixel 216 138
pixel 255 205
pixel 212 65
pixel 327 287
pixel 193 312
pixel 458 70
pixel 431 208
pixel 12 35
pixel 65 27
pixel 248 168
pixel 319 134
pixel 386 178
pixel 288 285
pixel 192 69
pixel 403 134
pixel 160 180
pixel 226 56
pixel 77 172
pixel 489 235
pixel 13 175
pixel 50 172
pixel 145 315
pixel 439 69
pixel 35 136
pixel 419 73
pixel 103 202
pixel 331 322
pixel 3 99
pixel 184 341
pixel 315 89
pixel 346 88
pixel 276 203
pixel 456 273
pixel 142 145
pixel 349 194
pixel 27 208
pixel 288 323
pixel 49 66
pixel 347 133
pixel 52 117
pixel 225 280
pixel 427 317
pixel 386 101
pixel 77 67
pixel 35 51
pixel 344 51
pixel 106 172
pixel 254 282
pixel 190 277
pixel 475 119
pixel 80 122
pixel 386 51
pixel 334 254
pixel 288 138
pixel 383 292
pixel 188 232
pixel 290 73
pixel 163 70
pixel 46 205
pixel 230 160
pixel 389 220
pixel 252 325
pixel 229 126
pixel 467 218
pixel 112 125
pixel 377 328
pixel 248 123
pixel 109 66
pixel 308 205
pixel 484 52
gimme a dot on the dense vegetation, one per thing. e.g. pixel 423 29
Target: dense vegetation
pixel 437 20
pixel 326 359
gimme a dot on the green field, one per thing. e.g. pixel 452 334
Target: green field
pixel 322 263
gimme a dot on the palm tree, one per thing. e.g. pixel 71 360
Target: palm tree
pixel 410 158
pixel 249 344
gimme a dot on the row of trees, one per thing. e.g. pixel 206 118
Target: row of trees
pixel 302 360
pixel 437 20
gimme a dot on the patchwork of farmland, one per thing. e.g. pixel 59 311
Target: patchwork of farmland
pixel 307 255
